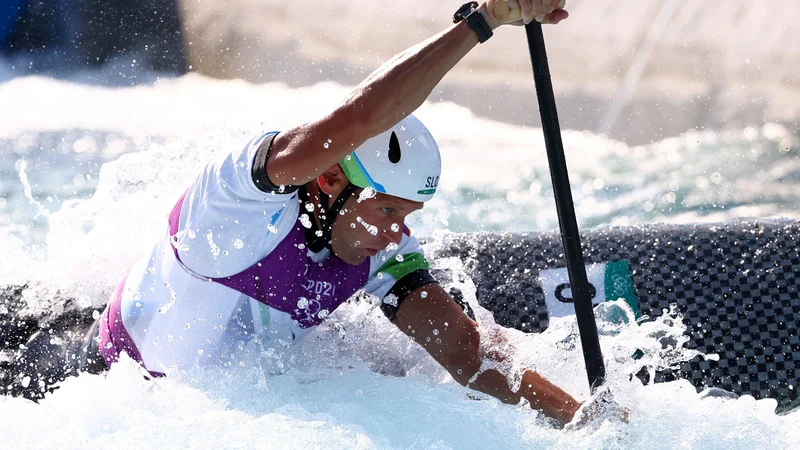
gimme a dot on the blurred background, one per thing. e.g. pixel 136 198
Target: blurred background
pixel 635 71
pixel 671 111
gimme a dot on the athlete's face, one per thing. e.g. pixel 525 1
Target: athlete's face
pixel 371 222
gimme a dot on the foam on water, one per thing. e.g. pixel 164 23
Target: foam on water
pixel 335 399
pixel 124 156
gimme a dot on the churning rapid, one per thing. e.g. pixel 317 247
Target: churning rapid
pixel 86 192
pixel 89 173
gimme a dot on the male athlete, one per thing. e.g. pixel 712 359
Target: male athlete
pixel 270 239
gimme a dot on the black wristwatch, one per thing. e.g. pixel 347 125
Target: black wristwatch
pixel 475 20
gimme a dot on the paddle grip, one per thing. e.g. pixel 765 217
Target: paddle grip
pixel 508 10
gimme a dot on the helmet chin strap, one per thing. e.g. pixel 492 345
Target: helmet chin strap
pixel 318 239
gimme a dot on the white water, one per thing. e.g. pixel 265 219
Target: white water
pixel 105 166
pixel 88 174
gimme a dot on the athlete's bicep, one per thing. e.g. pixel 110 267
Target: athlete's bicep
pixel 303 153
pixel 431 317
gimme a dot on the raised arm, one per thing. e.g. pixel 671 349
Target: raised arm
pixel 389 94
pixel 436 322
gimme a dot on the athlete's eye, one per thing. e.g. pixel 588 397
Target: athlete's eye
pixel 388 210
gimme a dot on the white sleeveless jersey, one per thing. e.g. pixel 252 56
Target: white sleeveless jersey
pixel 172 312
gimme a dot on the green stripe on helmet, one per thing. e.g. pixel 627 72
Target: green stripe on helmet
pixel 410 262
pixel 354 172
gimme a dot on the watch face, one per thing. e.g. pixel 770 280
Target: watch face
pixel 465 9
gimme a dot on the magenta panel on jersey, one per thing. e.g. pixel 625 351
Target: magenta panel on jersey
pixel 290 281
pixel 114 339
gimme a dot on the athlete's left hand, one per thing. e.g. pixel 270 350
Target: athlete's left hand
pixel 544 11
pixel 601 405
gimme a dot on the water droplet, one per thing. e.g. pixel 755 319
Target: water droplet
pixel 390 299
pixel 302 303
pixel 95 314
pixel 309 207
pixel 323 314
pixel 238 243
pixel 186 327
pixel 352 224
pixel 380 275
pixel 371 229
pixel 400 258
pixel 367 193
pixel 410 142
pixel 395 227
pixel 435 332
pixel 423 294
pixel 402 128
pixel 199 352
pixel 305 220
pixel 272 228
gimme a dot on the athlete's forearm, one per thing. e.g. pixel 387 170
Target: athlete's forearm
pixel 386 96
pixel 540 393
pixel 435 321
pixel 392 92
pixel 403 83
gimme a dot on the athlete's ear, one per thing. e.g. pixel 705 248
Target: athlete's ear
pixel 333 181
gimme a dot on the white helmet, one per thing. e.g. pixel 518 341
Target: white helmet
pixel 403 161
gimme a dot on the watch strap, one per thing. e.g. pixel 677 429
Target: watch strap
pixel 475 20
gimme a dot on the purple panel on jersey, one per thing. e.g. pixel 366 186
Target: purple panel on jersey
pixel 290 281
pixel 114 339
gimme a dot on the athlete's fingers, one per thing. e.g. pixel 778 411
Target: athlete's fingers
pixel 549 7
pixel 525 7
pixel 543 10
pixel 556 16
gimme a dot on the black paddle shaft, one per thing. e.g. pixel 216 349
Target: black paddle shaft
pixel 582 298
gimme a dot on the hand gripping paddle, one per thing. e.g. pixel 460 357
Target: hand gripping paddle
pixel 509 11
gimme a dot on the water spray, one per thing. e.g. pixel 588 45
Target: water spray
pixel 508 11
